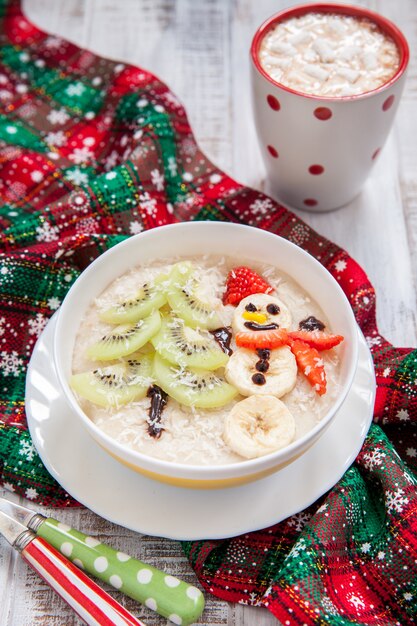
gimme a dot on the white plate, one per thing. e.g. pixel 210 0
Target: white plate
pixel 122 496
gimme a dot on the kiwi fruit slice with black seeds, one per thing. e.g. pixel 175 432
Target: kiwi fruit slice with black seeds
pixel 125 339
pixel 182 294
pixel 115 385
pixel 192 386
pixel 178 343
pixel 150 297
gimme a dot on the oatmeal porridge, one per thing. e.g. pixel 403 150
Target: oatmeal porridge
pixel 205 361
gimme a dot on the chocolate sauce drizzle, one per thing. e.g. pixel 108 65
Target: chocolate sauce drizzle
pixel 256 326
pixel 223 337
pixel 311 323
pixel 258 379
pixel 262 366
pixel 158 402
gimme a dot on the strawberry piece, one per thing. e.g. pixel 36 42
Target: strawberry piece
pixel 310 363
pixel 268 339
pixel 241 282
pixel 317 339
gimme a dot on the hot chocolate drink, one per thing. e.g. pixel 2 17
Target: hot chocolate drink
pixel 329 54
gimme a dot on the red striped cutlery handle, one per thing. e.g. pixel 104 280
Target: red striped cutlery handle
pixel 89 601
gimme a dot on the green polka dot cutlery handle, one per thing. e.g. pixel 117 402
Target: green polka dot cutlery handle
pixel 165 594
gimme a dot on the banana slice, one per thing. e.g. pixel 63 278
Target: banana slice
pixel 260 309
pixel 258 425
pixel 252 375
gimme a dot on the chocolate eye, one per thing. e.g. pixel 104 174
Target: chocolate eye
pixel 311 323
pixel 273 309
pixel 250 307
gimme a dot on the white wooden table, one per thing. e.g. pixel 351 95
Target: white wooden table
pixel 200 48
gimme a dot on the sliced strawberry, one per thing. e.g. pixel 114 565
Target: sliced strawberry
pixel 317 339
pixel 310 363
pixel 269 339
pixel 242 282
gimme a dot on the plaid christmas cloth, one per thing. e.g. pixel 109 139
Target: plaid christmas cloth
pixel 93 151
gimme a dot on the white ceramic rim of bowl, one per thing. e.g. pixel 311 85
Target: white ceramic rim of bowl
pixel 384 24
pixel 200 472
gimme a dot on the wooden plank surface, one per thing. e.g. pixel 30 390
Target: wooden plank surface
pixel 200 48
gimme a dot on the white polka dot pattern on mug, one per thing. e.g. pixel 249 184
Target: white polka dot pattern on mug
pixel 175 618
pixel 171 581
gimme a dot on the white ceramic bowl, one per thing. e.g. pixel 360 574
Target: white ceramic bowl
pixel 193 239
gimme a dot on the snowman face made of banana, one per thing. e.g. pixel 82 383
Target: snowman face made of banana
pixel 264 371
pixel 261 423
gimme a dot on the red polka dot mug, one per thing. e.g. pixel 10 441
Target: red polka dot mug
pixel 319 146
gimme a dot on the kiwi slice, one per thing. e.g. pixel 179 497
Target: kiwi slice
pixel 115 385
pixel 184 301
pixel 182 345
pixel 125 339
pixel 149 298
pixel 192 386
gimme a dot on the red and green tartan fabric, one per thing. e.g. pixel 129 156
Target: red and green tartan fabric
pixel 93 151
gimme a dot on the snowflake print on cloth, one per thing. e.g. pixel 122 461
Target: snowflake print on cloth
pixel 403 415
pixel 298 548
pixel 10 363
pixel 31 493
pixel 158 180
pixel 56 138
pixel 261 206
pixel 53 42
pixel 75 89
pixel 81 155
pixel 37 325
pixel 299 520
pixel 357 601
pixel 340 265
pixel 46 232
pixel 135 227
pixel 54 303
pixel 102 151
pixel 172 166
pixel 396 501
pixel 373 341
pixel 58 116
pixel 148 204
pixel 27 450
pixel 373 459
pixel 76 176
